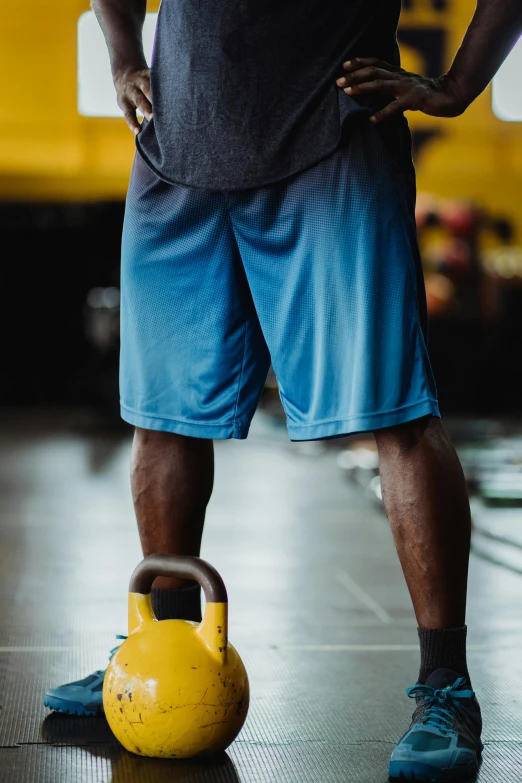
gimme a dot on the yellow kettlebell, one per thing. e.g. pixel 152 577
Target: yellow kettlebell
pixel 175 688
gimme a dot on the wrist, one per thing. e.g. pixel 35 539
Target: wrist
pixel 127 61
pixel 453 85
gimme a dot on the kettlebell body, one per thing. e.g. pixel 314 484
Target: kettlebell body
pixel 174 688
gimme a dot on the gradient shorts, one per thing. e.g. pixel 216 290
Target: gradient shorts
pixel 318 274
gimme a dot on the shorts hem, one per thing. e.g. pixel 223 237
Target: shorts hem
pixel 365 423
pixel 149 421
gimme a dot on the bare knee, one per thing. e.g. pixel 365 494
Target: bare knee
pixel 408 437
pixel 167 466
pixel 167 452
pixel 160 439
pixel 155 440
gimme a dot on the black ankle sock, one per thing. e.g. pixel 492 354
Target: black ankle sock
pixel 181 604
pixel 442 648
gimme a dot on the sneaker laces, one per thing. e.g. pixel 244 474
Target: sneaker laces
pixel 442 703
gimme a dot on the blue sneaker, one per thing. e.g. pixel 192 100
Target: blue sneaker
pixel 443 741
pixel 83 697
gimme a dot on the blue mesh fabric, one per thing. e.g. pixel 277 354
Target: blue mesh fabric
pixel 319 273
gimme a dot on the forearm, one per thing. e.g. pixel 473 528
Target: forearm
pixel 122 24
pixel 494 29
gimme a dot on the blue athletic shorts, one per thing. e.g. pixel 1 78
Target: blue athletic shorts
pixel 318 273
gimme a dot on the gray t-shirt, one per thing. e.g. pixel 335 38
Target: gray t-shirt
pixel 244 92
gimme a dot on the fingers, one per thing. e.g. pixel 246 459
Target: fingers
pixel 141 102
pixel 135 99
pixel 129 112
pixel 401 104
pixel 134 93
pixel 370 75
pixel 382 86
pixel 144 85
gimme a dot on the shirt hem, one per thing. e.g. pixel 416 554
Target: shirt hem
pixel 257 183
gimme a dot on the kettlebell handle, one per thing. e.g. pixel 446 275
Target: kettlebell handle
pixel 180 567
pixel 213 628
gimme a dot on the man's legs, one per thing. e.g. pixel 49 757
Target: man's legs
pixel 171 478
pixel 425 498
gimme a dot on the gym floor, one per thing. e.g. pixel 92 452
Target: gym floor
pixel 318 610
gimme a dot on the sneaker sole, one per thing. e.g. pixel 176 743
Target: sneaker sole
pixel 415 770
pixel 69 707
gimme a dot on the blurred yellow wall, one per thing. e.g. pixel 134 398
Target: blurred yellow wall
pixel 48 151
